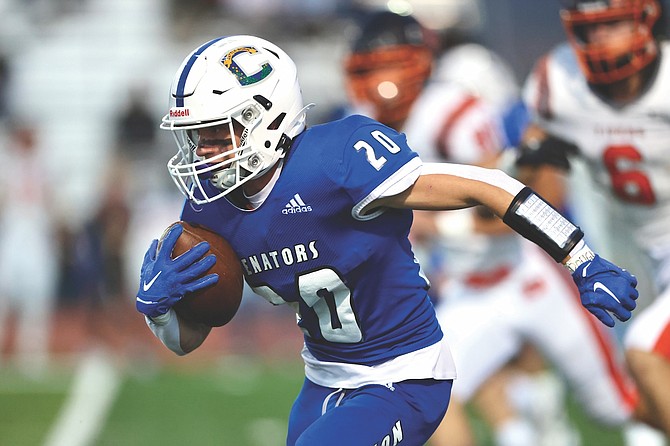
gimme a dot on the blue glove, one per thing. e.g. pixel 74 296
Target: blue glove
pixel 164 281
pixel 605 288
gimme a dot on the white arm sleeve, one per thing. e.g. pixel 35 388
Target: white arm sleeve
pixel 166 328
pixel 494 177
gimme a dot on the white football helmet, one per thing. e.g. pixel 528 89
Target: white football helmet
pixel 242 79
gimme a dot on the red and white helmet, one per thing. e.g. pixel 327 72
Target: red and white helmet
pixel 604 64
pixel 241 79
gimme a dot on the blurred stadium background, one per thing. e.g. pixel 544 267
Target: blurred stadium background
pixel 88 79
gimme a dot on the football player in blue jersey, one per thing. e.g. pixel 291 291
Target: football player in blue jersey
pixel 319 219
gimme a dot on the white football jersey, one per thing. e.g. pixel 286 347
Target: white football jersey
pixel 487 327
pixel 625 148
pixel 501 290
pixel 449 122
pixel 480 70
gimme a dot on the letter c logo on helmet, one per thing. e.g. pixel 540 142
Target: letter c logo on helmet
pixel 243 78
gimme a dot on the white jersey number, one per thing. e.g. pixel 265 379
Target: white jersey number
pixel 324 292
pixel 330 298
pixel 629 184
pixel 385 141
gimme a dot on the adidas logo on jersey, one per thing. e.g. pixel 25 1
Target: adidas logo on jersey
pixel 296 206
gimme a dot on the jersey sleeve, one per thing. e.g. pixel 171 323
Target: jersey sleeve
pixel 554 72
pixel 375 162
pixel 471 133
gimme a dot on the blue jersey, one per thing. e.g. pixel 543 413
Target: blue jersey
pixel 354 282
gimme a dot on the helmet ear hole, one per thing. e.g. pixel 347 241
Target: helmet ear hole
pixel 267 105
pixel 274 125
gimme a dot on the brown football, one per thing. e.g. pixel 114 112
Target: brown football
pixel 217 304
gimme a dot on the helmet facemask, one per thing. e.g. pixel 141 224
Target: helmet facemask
pixel 388 80
pixel 608 63
pixel 389 63
pixel 229 169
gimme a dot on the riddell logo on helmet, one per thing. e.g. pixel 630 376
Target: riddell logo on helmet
pixel 179 112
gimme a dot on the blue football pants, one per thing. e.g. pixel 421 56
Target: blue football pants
pixel 405 413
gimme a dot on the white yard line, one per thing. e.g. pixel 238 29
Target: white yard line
pixel 94 389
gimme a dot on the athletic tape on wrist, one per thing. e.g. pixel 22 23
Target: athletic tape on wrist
pixel 535 219
pixel 581 253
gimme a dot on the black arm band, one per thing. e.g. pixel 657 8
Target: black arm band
pixel 535 219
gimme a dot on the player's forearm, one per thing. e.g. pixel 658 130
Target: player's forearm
pixel 443 186
pixel 449 186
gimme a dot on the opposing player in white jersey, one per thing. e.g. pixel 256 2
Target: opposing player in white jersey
pixel 497 290
pixel 603 95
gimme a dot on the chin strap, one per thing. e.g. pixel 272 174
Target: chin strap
pixel 284 144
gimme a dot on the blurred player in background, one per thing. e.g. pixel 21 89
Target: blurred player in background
pixel 28 253
pixel 378 368
pixel 603 96
pixel 495 290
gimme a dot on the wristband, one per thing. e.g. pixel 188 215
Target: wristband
pixel 535 219
pixel 580 253
pixel 162 319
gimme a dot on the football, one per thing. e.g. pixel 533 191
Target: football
pixel 215 305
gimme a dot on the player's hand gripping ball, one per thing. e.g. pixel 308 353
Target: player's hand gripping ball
pixel 193 270
pixel 606 290
pixel 164 281
pixel 216 304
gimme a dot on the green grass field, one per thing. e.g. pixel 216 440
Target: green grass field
pixel 240 404
pixel 243 403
